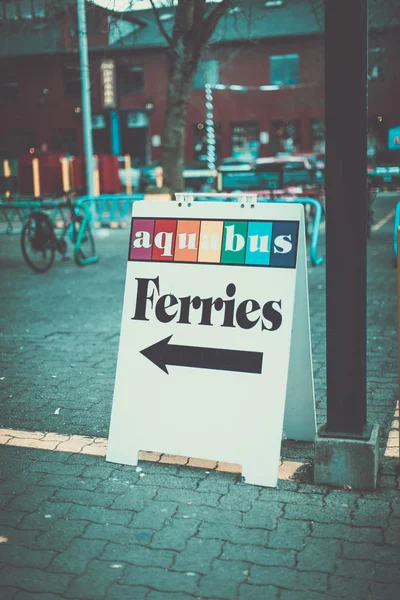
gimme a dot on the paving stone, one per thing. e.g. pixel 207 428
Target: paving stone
pixel 95 581
pixel 388 573
pixel 167 481
pixel 188 497
pixel 240 497
pixel 169 596
pixel 346 587
pixel 77 556
pixel 371 513
pixel 289 578
pixel 216 482
pixel 18 556
pixel 258 592
pixel 317 514
pixel 135 498
pixel 291 497
pixel 175 534
pixel 59 535
pixel 118 533
pixel 263 515
pixel 32 500
pixel 123 592
pixel 318 555
pixel 34 580
pixel 392 533
pixel 97 472
pixel 16 486
pixel 211 515
pixel 197 555
pixel 18 537
pixel 69 481
pixel 154 515
pixel 9 593
pixel 289 534
pixel 357 569
pixel 296 595
pixel 84 497
pixel 372 552
pixel 234 534
pixel 11 518
pixel 258 555
pixel 98 514
pixel 55 467
pixel 160 579
pixel 348 532
pixel 28 596
pixel 137 555
pixel 384 591
pixel 223 580
pixel 45 519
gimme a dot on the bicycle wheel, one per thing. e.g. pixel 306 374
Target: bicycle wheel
pixel 87 248
pixel 36 243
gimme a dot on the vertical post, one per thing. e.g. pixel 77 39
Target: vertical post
pixel 65 174
pixel 346 214
pixel 115 133
pixel 128 174
pixel 36 177
pixel 86 106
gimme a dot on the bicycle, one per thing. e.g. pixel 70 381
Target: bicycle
pixel 39 241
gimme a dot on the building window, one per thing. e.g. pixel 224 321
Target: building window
pixel 376 63
pixel 200 145
pixel 72 79
pixel 285 136
pixel 207 72
pixel 318 135
pixel 93 22
pixel 284 69
pixel 245 140
pixel 130 80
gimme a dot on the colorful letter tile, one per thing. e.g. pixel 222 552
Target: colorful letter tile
pixel 164 239
pixel 210 241
pixel 284 244
pixel 258 249
pixel 187 241
pixel 141 239
pixel 234 242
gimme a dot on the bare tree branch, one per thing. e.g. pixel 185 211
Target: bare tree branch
pixel 161 26
pixel 211 21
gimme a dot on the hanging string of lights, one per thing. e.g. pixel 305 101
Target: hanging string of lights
pixel 210 124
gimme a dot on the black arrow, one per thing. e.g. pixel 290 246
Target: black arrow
pixel 162 354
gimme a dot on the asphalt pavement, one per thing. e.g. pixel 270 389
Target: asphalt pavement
pixel 74 526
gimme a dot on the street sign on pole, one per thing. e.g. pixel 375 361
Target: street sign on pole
pixel 215 336
pixel 108 84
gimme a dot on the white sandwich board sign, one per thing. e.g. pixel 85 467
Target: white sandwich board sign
pixel 214 356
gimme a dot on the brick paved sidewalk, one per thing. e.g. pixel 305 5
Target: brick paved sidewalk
pixel 74 526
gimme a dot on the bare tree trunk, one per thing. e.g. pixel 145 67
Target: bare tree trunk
pixel 173 136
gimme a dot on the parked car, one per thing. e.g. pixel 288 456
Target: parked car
pixel 385 170
pixel 235 164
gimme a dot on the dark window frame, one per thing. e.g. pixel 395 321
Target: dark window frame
pixel 281 63
pixel 126 87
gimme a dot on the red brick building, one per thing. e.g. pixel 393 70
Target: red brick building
pixel 257 45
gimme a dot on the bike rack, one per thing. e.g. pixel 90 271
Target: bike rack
pixel 81 205
pixel 315 259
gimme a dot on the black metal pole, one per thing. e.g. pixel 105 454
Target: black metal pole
pixel 346 214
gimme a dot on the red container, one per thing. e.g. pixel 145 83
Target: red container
pixel 109 174
pixel 78 174
pixel 50 174
pixel 25 175
pixel 108 167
